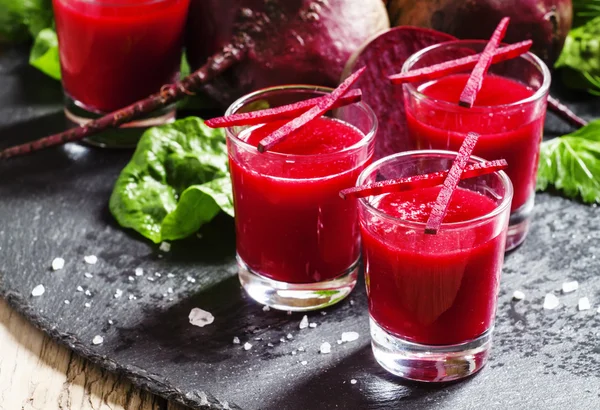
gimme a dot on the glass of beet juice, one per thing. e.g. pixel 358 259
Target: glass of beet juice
pixel 297 241
pixel 508 114
pixel 432 298
pixel 116 52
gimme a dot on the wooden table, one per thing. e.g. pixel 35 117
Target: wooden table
pixel 37 373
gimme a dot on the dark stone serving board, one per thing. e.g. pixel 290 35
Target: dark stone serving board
pixel 54 204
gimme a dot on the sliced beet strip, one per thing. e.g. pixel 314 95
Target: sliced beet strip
pixel 469 93
pixel 465 63
pixel 421 181
pixel 440 208
pixel 284 112
pixel 324 105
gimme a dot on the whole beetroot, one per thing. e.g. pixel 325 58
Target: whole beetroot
pixel 546 22
pixel 303 41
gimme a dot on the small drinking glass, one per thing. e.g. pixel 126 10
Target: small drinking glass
pixel 432 298
pixel 114 53
pixel 509 116
pixel 297 241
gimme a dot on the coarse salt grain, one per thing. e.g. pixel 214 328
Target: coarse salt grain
pixel 139 272
pixel 132 297
pixel 150 279
pixel 300 349
pixel 270 344
pixel 569 287
pixel 551 302
pixel 88 275
pixel 247 346
pixel 97 340
pixel 325 348
pixel 312 325
pixel 87 292
pixel 353 381
pixel 87 305
pixel 165 247
pixel 200 318
pixel 518 295
pixel 79 289
pixel 67 302
pixel 266 308
pixel 170 275
pixel 289 336
pixel 157 274
pixel 169 290
pixel 118 293
pixel 236 340
pixel 349 336
pixel 190 279
pixel 110 322
pixel 38 291
pixel 304 322
pixel 303 362
pixel 58 263
pixel 90 259
pixel 130 278
pixel 584 304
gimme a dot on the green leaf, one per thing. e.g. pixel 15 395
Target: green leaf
pixel 44 53
pixel 571 164
pixel 23 19
pixel 581 53
pixel 584 11
pixel 176 181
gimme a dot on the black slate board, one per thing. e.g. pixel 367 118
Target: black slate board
pixel 54 204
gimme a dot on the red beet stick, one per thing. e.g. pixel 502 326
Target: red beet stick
pixel 321 108
pixel 421 181
pixel 440 208
pixel 469 93
pixel 284 112
pixel 465 63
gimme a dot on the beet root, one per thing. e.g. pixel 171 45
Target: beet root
pixel 303 41
pixel 384 55
pixel 546 22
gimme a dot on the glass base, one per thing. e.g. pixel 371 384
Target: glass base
pixel 126 136
pixel 518 224
pixel 427 363
pixel 296 297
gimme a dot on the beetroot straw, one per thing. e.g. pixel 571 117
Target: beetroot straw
pixel 464 63
pixel 221 61
pixel 324 105
pixel 565 113
pixel 284 112
pixel 440 208
pixel 421 181
pixel 469 93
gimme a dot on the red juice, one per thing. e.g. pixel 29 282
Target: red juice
pixel 432 289
pixel 114 53
pixel 512 134
pixel 291 224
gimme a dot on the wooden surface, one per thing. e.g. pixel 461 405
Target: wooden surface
pixel 38 374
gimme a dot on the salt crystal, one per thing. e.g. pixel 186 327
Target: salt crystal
pixel 266 308
pixel 349 336
pixel 170 275
pixel 169 290
pixel 289 336
pixel 270 344
pixel 90 259
pixel 325 348
pixel 164 295
pixel 551 301
pixel 58 263
pixel 87 305
pixel 88 275
pixel 150 279
pixel 157 274
pixel 293 353
pixel 110 322
pixel 353 381
pixel 258 339
pixel 170 299
pixel 97 340
pixel 79 289
pixel 38 290
pixel 67 302
pixel 282 340
pixel 304 322
pixel 339 342
pixel 584 304
pixel 165 247
pixel 132 297
pixel 351 302
pixel 300 349
pixel 87 292
pixel 190 279
pixel 247 346
pixel 323 313
pixel 118 293
pixel 303 362
pixel 139 272
pixel 518 295
pixel 312 325
pixel 236 340
pixel 200 318
pixel 569 287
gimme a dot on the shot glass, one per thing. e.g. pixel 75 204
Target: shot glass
pixel 297 241
pixel 509 115
pixel 114 53
pixel 432 298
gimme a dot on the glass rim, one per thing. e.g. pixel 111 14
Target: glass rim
pixel 501 207
pixel 116 4
pixel 240 102
pixel 528 56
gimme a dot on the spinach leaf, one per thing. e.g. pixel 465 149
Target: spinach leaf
pixel 571 164
pixel 44 53
pixel 580 56
pixel 584 11
pixel 176 181
pixel 23 19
